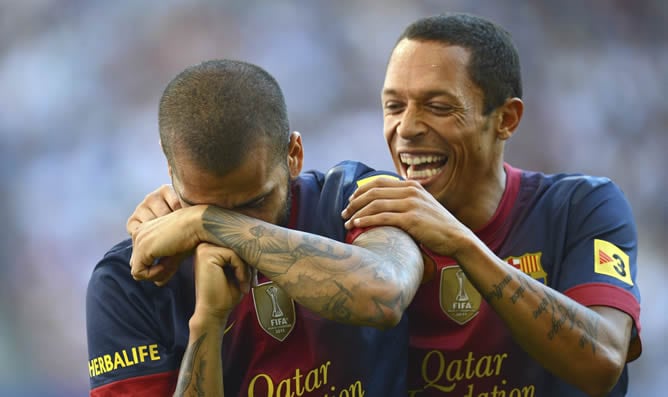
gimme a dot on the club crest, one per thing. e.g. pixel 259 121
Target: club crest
pixel 531 264
pixel 459 299
pixel 275 310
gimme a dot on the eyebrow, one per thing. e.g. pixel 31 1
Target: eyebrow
pixel 423 95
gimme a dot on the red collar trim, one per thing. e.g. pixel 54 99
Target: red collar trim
pixel 489 233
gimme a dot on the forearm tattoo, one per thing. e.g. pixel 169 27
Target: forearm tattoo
pixel 270 246
pixel 563 312
pixel 331 274
pixel 187 371
pixel 497 289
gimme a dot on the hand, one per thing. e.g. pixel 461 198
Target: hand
pixel 160 244
pixel 408 206
pixel 221 280
pixel 159 202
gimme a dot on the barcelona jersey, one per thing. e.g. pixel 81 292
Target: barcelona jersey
pixel 575 234
pixel 138 332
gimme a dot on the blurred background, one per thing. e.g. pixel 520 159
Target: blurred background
pixel 79 87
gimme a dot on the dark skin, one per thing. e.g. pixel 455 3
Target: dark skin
pixel 452 157
pixel 233 221
pixel 216 294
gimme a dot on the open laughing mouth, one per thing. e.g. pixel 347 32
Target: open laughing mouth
pixel 422 167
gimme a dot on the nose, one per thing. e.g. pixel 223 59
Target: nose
pixel 411 124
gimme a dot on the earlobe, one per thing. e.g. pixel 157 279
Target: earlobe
pixel 510 115
pixel 295 154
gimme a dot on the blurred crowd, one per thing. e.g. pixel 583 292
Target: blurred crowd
pixel 80 82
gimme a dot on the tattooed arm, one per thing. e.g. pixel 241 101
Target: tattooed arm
pixel 368 283
pixel 216 294
pixel 585 346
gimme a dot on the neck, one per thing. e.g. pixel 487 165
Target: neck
pixel 483 202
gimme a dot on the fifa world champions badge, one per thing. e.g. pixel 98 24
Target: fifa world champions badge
pixel 275 310
pixel 459 299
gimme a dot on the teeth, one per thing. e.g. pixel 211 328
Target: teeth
pixel 417 160
pixel 413 174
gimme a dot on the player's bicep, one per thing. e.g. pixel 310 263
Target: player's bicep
pixel 124 345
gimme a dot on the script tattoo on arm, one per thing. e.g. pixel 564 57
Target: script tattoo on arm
pixel 497 289
pixel 186 372
pixel 562 311
pixel 568 313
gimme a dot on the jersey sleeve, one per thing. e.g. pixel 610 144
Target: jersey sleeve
pixel 340 183
pixel 599 267
pixel 127 355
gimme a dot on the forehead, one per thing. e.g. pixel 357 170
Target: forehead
pixel 255 178
pixel 417 66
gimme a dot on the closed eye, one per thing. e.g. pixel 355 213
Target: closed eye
pixel 255 203
pixel 393 106
pixel 439 108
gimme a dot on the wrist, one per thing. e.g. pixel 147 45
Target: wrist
pixel 468 245
pixel 196 222
pixel 200 323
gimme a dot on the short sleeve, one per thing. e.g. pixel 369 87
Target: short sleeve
pixel 127 355
pixel 339 184
pixel 599 267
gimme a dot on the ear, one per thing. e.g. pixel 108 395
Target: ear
pixel 509 116
pixel 295 154
pixel 169 164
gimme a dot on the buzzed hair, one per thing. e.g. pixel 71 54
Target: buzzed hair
pixel 494 64
pixel 216 112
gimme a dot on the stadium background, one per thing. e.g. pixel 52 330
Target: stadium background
pixel 80 81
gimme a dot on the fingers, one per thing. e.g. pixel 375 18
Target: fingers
pixel 165 268
pixel 365 210
pixel 141 215
pixel 170 197
pixel 242 272
pixel 160 202
pixel 236 269
pixel 396 219
pixel 142 268
pixel 382 188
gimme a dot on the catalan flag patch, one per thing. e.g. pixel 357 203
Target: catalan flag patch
pixel 611 261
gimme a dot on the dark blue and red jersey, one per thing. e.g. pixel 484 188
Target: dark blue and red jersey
pixel 575 234
pixel 138 332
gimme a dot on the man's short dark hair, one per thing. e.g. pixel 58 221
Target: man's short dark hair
pixel 216 112
pixel 494 64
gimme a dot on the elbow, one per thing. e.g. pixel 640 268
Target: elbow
pixel 607 372
pixel 383 313
pixel 388 319
pixel 392 318
pixel 394 305
pixel 389 314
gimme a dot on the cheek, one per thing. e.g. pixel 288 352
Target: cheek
pixel 274 212
pixel 389 131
